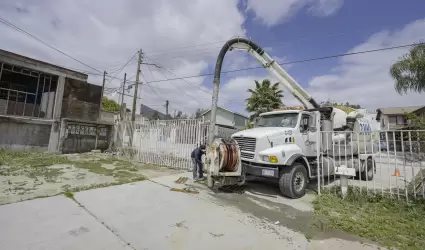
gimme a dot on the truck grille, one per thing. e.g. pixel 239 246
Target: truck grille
pixel 246 143
pixel 247 155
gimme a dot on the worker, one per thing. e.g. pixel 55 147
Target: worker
pixel 196 156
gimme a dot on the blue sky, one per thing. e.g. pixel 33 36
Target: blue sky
pixel 106 37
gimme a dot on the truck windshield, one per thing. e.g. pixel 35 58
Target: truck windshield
pixel 287 120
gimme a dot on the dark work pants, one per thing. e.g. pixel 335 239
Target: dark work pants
pixel 197 168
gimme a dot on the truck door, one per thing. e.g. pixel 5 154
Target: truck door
pixel 308 134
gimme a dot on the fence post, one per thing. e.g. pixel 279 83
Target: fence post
pixel 318 143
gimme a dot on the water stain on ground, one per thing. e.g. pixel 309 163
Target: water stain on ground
pixel 285 216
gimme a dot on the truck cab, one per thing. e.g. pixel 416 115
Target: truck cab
pixel 279 140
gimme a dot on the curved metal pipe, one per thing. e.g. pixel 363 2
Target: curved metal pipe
pixel 217 73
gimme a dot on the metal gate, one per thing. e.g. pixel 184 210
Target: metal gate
pixel 162 142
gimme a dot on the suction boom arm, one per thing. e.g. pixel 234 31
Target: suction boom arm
pixel 274 68
pixel 267 62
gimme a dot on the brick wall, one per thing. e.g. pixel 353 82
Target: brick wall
pixel 81 100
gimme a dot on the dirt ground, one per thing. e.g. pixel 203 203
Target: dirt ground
pixel 28 175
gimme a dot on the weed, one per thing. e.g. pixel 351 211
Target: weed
pixel 33 159
pixel 69 194
pixel 393 223
pixel 94 167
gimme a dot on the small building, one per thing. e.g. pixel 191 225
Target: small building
pixel 394 118
pixel 393 121
pixel 227 118
pixel 48 107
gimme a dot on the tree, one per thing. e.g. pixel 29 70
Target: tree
pixel 198 114
pixel 346 107
pixel 265 97
pixel 409 71
pixel 154 116
pixel 110 105
pixel 180 115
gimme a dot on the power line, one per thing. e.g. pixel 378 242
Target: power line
pixel 294 62
pixel 13 26
pixel 122 68
pixel 182 79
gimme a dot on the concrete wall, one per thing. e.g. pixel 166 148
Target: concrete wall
pixel 108 116
pixel 22 135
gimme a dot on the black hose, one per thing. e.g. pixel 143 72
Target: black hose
pixel 253 46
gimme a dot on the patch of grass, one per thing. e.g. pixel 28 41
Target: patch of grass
pixel 32 159
pixel 393 223
pixel 50 174
pixel 69 194
pixel 94 167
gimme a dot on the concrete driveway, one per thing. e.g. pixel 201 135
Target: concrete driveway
pixel 147 215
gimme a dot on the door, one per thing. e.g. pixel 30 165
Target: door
pixel 308 133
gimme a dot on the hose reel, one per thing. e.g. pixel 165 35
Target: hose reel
pixel 228 155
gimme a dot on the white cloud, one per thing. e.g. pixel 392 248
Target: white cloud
pixel 364 79
pixel 272 12
pixel 105 33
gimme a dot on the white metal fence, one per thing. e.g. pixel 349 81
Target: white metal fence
pixel 167 143
pixel 399 162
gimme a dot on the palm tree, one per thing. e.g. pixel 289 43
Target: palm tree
pixel 409 71
pixel 265 97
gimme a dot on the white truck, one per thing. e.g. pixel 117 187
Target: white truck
pixel 293 146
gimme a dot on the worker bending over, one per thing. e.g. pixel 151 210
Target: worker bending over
pixel 198 172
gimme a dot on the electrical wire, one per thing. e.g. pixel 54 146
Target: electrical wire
pixel 295 62
pixel 13 26
pixel 122 68
pixel 171 72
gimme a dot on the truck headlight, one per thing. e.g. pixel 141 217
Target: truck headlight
pixel 271 158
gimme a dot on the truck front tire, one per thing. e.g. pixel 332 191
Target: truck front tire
pixel 293 181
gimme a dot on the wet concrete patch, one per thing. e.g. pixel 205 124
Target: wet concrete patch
pixel 278 214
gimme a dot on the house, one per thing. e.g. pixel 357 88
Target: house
pixel 393 121
pixel 227 118
pixel 395 118
pixel 47 107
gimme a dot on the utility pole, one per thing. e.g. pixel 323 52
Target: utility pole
pixel 166 107
pixel 123 107
pixel 101 94
pixel 139 62
pixel 123 88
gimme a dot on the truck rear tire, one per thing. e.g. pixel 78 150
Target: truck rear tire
pixel 369 171
pixel 293 181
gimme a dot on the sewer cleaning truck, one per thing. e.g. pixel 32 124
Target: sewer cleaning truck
pixel 292 146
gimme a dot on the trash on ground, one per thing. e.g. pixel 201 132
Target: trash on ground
pixel 185 190
pixel 181 180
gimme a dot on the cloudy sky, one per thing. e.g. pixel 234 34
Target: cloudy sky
pixel 183 38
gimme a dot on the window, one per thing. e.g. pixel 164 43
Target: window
pixel 305 123
pixel 401 120
pixel 288 120
pixel 392 119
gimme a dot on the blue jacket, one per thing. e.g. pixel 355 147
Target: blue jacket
pixel 197 154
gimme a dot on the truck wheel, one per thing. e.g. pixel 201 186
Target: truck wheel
pixel 293 181
pixel 369 171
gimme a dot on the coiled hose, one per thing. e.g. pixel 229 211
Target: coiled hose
pixel 229 155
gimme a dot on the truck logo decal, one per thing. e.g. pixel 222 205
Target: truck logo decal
pixel 290 140
pixel 365 128
pixel 288 132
